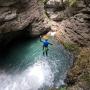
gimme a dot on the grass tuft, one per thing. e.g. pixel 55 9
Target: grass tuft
pixel 71 47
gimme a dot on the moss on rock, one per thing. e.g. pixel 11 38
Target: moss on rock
pixel 81 71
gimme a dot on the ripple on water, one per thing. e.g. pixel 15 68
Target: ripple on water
pixel 31 70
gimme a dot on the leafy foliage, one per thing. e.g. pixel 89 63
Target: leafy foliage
pixel 72 2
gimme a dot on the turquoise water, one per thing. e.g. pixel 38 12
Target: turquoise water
pixel 24 67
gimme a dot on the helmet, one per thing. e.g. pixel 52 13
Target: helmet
pixel 45 37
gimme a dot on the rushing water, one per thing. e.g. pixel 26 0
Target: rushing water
pixel 23 67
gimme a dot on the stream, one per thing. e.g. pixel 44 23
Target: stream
pixel 23 66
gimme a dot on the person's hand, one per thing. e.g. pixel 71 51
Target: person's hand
pixel 51 44
pixel 40 36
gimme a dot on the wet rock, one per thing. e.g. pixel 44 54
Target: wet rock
pixel 7 2
pixel 37 28
pixel 24 17
pixel 76 29
pixel 53 7
pixel 54 3
pixel 57 17
pixel 86 10
pixel 10 16
pixel 17 15
pixel 59 9
pixel 80 72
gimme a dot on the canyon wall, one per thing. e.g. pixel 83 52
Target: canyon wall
pixel 71 22
pixel 20 18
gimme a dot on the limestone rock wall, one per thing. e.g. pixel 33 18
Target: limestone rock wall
pixel 72 23
pixel 73 29
pixel 78 77
pixel 76 29
pixel 16 15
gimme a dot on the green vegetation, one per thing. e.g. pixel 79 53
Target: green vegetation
pixel 86 77
pixel 84 63
pixel 44 1
pixel 71 47
pixel 46 14
pixel 72 2
pixel 84 58
pixel 61 88
pixel 81 69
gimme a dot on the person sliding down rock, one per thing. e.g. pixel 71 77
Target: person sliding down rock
pixel 45 44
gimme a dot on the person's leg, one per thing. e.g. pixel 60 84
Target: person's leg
pixel 46 51
pixel 43 50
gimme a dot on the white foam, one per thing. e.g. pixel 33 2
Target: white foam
pixel 53 33
pixel 31 79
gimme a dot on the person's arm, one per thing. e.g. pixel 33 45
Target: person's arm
pixel 50 43
pixel 41 39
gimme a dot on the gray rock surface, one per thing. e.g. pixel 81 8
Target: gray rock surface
pixel 58 10
pixel 75 28
pixel 16 15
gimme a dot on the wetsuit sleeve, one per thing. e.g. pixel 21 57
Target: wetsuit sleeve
pixel 50 43
pixel 41 39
